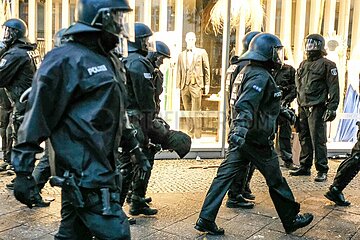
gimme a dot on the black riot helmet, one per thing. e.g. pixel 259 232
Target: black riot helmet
pixel 106 15
pixel 162 51
pixel 142 44
pixel 265 47
pixel 14 29
pixel 315 43
pixel 247 39
pixel 59 37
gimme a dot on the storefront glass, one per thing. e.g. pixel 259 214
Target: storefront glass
pixel 170 25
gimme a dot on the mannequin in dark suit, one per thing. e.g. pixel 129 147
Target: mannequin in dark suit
pixel 193 75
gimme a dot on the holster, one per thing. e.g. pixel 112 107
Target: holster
pixel 103 201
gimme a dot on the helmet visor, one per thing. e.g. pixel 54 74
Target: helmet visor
pixel 312 45
pixel 7 34
pixel 115 21
pixel 278 55
pixel 148 44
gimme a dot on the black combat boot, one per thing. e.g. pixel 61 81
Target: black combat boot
pixel 39 202
pixel 239 202
pixel 139 206
pixel 210 227
pixel 301 172
pixel 290 165
pixel 321 177
pixel 335 195
pixel 300 221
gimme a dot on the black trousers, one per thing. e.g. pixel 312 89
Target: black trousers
pixel 84 223
pixel 312 137
pixel 131 178
pixel 42 170
pixel 266 161
pixel 348 168
pixel 5 133
pixel 285 134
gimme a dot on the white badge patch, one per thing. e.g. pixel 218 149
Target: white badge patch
pixel 231 69
pixel 147 75
pixel 334 71
pixel 3 62
pixel 278 94
pixel 257 88
pixel 97 69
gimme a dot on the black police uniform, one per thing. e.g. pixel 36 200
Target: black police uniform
pixel 239 185
pixel 17 67
pixel 158 84
pixel 285 79
pixel 77 100
pixel 317 87
pixel 256 100
pixel 141 111
pixel 346 171
pixel 5 129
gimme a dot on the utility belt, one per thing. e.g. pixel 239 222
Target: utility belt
pixel 98 200
pixel 102 201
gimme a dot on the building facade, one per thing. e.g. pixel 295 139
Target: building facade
pixel 170 20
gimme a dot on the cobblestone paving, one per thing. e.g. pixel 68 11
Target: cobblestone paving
pixel 178 188
pixel 195 176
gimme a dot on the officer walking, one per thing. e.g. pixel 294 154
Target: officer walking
pixel 240 188
pixel 317 86
pixel 346 171
pixel 18 62
pixel 78 101
pixel 157 58
pixel 141 110
pixel 256 99
pixel 285 79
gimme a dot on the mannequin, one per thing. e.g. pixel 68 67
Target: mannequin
pixel 192 77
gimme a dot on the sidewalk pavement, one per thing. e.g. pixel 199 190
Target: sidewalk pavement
pixel 178 188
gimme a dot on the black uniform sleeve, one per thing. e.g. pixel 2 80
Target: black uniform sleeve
pixel 50 94
pixel 332 82
pixel 250 96
pixel 291 86
pixel 143 87
pixel 10 64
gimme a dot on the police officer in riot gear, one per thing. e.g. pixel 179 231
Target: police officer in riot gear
pixel 346 171
pixel 18 62
pixel 141 110
pixel 160 132
pixel 256 99
pixel 285 79
pixel 78 101
pixel 157 58
pixel 317 86
pixel 240 188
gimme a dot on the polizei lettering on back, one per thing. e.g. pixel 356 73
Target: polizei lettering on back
pixel 94 70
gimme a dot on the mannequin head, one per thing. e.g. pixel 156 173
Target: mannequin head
pixel 190 40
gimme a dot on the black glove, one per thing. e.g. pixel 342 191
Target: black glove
pixel 236 139
pixel 141 164
pixel 329 115
pixel 25 189
pixel 288 114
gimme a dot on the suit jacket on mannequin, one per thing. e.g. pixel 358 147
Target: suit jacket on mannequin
pixel 199 68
